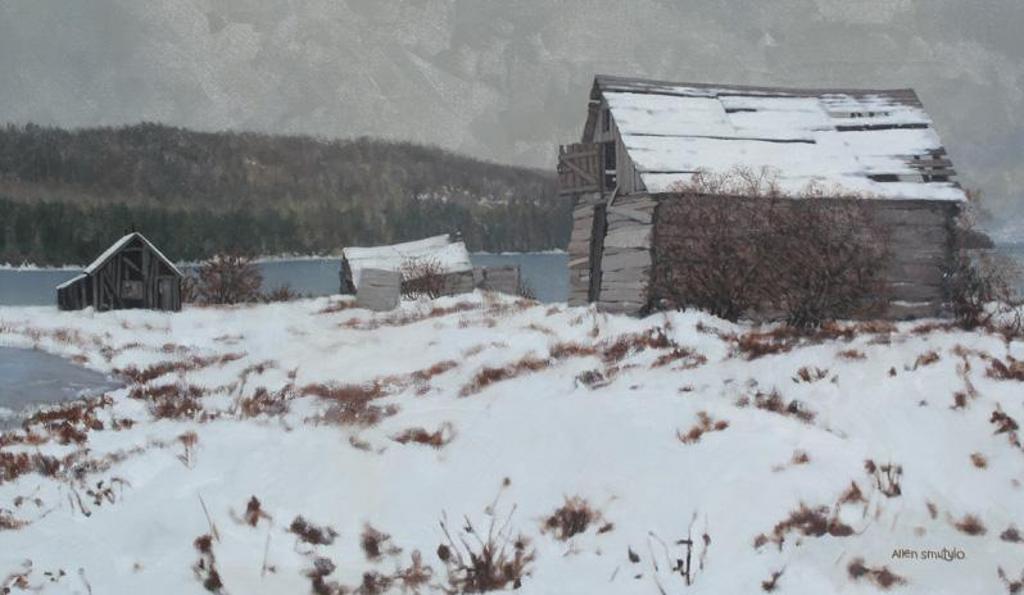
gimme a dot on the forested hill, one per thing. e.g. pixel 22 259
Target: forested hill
pixel 65 195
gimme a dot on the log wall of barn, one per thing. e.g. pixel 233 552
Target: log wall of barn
pixel 921 242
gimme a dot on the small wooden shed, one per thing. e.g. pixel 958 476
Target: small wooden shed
pixel 643 139
pixel 132 273
pixel 441 255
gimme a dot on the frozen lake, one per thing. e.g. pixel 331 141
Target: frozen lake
pixel 32 378
pixel 546 273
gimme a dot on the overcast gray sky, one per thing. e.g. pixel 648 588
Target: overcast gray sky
pixel 503 80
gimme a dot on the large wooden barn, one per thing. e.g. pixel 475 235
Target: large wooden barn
pixel 644 139
pixel 132 273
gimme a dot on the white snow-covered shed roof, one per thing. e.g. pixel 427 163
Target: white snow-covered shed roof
pixel 877 142
pixel 452 257
pixel 116 246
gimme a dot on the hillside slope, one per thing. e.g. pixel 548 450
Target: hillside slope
pixel 813 459
pixel 64 193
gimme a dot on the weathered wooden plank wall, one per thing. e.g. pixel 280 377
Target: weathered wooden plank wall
pixel 580 248
pixel 626 260
pixel 379 290
pixel 920 237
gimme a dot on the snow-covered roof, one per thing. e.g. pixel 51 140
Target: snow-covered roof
pixel 452 257
pixel 113 249
pixel 72 281
pixel 877 142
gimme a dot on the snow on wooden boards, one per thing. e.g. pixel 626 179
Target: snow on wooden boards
pixel 379 290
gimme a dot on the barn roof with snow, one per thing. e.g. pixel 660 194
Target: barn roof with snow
pixel 877 142
pixel 449 256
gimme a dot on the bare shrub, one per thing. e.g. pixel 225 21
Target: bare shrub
pixel 736 245
pixel 881 577
pixel 481 562
pixel 887 477
pixel 980 282
pixel 422 277
pixel 228 279
pixel 979 460
pixel 572 518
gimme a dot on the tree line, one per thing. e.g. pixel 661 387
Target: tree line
pixel 66 195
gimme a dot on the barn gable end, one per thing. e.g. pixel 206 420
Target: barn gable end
pixel 132 273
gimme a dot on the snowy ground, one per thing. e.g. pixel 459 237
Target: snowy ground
pixel 671 428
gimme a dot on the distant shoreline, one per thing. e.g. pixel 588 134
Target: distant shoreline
pixel 29 267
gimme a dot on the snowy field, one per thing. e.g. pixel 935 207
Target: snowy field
pixel 479 441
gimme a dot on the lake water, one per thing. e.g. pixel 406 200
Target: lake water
pixel 545 273
pixel 33 378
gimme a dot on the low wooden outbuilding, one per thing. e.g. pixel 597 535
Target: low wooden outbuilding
pixel 643 140
pixel 132 273
pixel 440 256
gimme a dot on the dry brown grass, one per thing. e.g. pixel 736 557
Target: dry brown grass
pixel 14 465
pixel 8 522
pixel 335 306
pixel 205 568
pixel 264 402
pixel 883 578
pixel 770 584
pixel 1011 369
pixel 254 512
pixel 573 517
pixel 852 355
pixel 773 402
pixel 925 359
pixel 351 404
pixel 1013 587
pixel 312 534
pixel 705 424
pixel 406 318
pixel 809 522
pixel 436 439
pixel 567 350
pixel 376 544
pixel 970 525
pixel 492 375
pixel 134 375
pixel 808 374
pixel 979 460
pixel 1011 535
pixel 434 370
